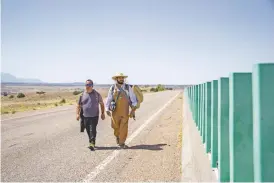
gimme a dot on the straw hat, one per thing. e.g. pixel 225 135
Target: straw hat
pixel 119 74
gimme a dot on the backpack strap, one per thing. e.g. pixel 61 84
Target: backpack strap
pixel 127 87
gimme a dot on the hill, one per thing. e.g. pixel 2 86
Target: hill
pixel 8 78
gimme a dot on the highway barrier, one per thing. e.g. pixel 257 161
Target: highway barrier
pixel 235 118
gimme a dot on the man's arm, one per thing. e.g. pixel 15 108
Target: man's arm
pixel 109 99
pixel 78 108
pixel 132 97
pixel 101 102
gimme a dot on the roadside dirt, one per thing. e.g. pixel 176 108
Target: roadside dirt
pixel 155 155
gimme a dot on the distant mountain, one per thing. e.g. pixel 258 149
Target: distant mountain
pixel 8 78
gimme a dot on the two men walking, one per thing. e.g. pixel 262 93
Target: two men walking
pixel 120 98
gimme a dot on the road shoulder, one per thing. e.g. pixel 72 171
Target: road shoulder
pixel 155 155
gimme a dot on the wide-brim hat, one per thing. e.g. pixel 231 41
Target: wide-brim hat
pixel 119 74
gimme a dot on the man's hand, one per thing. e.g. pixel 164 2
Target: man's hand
pixel 108 113
pixel 78 117
pixel 132 112
pixel 103 116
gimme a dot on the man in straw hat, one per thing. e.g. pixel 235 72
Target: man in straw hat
pixel 120 98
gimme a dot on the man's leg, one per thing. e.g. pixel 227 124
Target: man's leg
pixel 88 122
pixel 115 124
pixel 123 131
pixel 94 123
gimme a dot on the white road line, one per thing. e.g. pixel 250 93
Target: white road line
pixel 115 153
pixel 38 114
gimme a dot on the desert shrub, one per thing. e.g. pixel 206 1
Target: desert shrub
pixel 20 95
pixel 56 104
pixel 11 96
pixel 13 112
pixel 153 89
pixel 76 92
pixel 63 101
pixel 160 87
pixel 40 92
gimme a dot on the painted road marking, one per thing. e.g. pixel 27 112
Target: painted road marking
pixel 115 153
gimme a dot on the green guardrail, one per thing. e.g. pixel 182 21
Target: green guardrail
pixel 235 117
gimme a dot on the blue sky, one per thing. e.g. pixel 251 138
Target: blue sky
pixel 152 41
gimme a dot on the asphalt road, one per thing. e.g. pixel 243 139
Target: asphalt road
pixel 50 147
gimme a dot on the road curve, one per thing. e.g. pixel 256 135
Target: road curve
pixel 50 147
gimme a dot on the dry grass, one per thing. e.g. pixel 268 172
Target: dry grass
pixel 33 101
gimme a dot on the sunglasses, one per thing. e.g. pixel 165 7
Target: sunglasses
pixel 89 85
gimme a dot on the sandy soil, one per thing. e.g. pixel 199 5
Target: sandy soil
pixel 53 97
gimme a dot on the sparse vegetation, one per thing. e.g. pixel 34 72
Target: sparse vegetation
pixel 77 92
pixel 44 98
pixel 40 92
pixel 20 95
pixel 160 87
pixel 153 89
pixel 63 101
pixel 34 101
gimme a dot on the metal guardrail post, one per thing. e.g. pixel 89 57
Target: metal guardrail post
pixel 208 116
pixel 204 114
pixel 241 127
pixel 223 129
pixel 199 107
pixel 263 121
pixel 214 123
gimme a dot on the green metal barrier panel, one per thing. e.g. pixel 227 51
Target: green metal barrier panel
pixel 204 113
pixel 235 118
pixel 223 129
pixel 241 127
pixel 193 102
pixel 208 116
pixel 191 99
pixel 196 104
pixel 199 106
pixel 201 111
pixel 214 123
pixel 263 122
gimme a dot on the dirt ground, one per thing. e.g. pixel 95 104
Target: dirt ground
pixel 52 97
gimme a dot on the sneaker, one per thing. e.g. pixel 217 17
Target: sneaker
pixel 91 146
pixel 123 146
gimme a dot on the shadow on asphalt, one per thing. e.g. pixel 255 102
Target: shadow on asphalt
pixel 155 147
